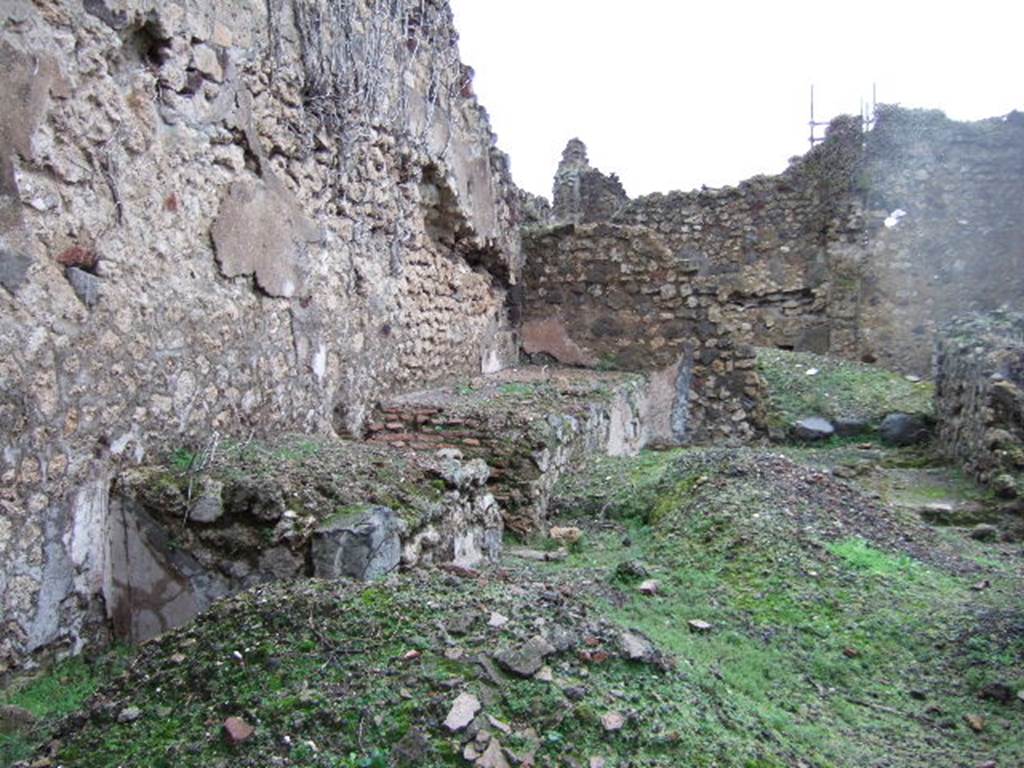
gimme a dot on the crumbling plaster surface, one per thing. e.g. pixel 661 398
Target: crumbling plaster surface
pixel 214 217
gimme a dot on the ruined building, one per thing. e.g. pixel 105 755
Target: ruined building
pixel 246 219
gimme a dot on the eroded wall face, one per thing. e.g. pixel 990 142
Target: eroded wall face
pixel 222 217
pixel 952 195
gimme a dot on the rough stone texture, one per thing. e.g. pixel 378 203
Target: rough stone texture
pixel 611 296
pixel 287 210
pixel 365 544
pixel 979 397
pixel 904 429
pixel 179 539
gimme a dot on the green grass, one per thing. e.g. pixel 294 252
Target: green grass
pixel 840 389
pixel 52 694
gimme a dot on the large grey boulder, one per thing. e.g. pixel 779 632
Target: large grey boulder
pixel 903 429
pixel 814 428
pixel 362 544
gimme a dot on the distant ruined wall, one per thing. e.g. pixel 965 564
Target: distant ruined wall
pixel 859 249
pixel 960 245
pixel 980 397
pixel 233 216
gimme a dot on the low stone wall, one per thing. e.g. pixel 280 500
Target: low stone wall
pixel 980 397
pixel 179 538
pixel 529 425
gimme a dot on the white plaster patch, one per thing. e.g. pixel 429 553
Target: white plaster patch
pixel 320 362
pixel 894 218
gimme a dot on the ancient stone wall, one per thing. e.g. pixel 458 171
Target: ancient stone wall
pixel 944 229
pixel 616 297
pixel 858 249
pixel 222 217
pixel 979 397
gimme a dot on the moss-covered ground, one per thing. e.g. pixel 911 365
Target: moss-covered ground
pixel 843 632
pixel 802 384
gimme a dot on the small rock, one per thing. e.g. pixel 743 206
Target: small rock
pixel 527 659
pixel 998 692
pixel 578 693
pixel 597 762
pixel 699 626
pixel 901 429
pixel 976 722
pixel 851 653
pixel 545 675
pixel 497 621
pixel 814 428
pixel 912 378
pixel 566 536
pixel 129 715
pixel 649 587
pixel 462 623
pixel 613 721
pixel 236 730
pixel 463 710
pixel 499 725
pixel 493 756
pixel 631 569
pixel 636 647
pixel 984 532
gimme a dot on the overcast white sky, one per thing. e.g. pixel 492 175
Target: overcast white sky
pixel 673 94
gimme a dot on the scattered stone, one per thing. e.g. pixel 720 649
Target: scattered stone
pixel 902 429
pixel 566 536
pixel 527 659
pixel 236 730
pixel 631 569
pixel 493 756
pixel 982 585
pixel 851 653
pixel 984 532
pixel 613 721
pixel 462 712
pixel 129 715
pixel 636 647
pixel 597 762
pixel 649 587
pixel 912 378
pixel 362 545
pixel 699 626
pixel 15 719
pixel 1000 693
pixel 976 722
pixel 578 693
pixel 545 675
pixel 497 621
pixel 813 429
pixel 462 623
pixel 499 725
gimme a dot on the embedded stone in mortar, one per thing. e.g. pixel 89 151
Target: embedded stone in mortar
pixel 364 545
